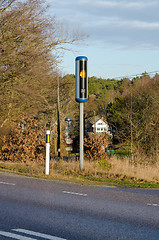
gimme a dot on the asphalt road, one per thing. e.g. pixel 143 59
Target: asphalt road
pixel 33 208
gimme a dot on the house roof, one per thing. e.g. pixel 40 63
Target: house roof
pixel 93 120
pixel 102 121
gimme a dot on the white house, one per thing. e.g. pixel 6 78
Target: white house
pixel 101 126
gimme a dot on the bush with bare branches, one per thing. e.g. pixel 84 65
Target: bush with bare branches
pixel 96 146
pixel 24 143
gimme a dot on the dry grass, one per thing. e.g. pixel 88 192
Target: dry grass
pixel 140 172
pixel 114 168
pixel 31 168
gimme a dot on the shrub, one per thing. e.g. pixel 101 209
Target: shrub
pixel 96 146
pixel 24 142
pixel 104 164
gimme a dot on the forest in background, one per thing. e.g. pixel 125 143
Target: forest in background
pixel 131 108
pixel 30 83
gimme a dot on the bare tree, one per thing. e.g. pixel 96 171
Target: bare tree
pixel 4 4
pixel 29 43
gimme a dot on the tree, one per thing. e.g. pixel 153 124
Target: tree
pixel 29 42
pixel 135 116
pixel 4 4
pixel 26 61
pixel 147 116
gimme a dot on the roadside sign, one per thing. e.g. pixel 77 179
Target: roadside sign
pixel 70 148
pixel 68 141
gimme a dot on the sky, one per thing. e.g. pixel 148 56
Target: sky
pixel 123 35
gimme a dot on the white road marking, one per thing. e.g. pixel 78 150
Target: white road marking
pixel 6 183
pixel 75 193
pixel 153 204
pixel 37 234
pixel 24 231
pixel 15 236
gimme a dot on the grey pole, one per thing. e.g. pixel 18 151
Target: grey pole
pixel 81 108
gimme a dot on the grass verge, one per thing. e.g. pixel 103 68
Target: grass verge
pixel 117 172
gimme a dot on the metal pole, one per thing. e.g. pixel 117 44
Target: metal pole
pixel 81 108
pixel 68 129
pixel 47 152
pixel 58 117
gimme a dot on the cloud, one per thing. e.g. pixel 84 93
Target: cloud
pixel 113 23
pixel 123 4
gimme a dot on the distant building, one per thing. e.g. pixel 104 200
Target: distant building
pixel 101 126
pixel 98 125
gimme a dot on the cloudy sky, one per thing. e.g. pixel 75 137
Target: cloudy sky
pixel 123 35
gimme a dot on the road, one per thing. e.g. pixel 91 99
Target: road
pixel 32 208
